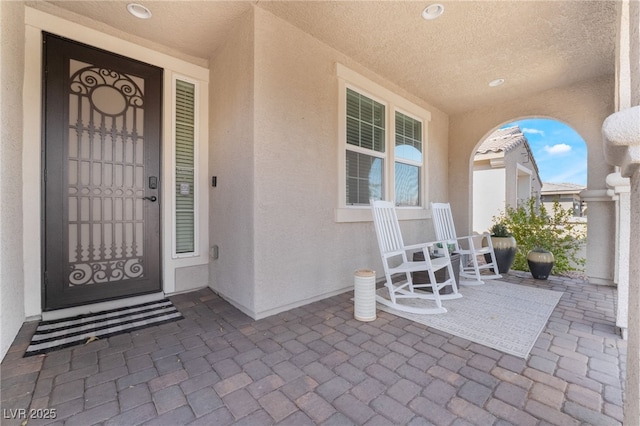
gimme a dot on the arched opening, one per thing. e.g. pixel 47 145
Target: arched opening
pixel 542 158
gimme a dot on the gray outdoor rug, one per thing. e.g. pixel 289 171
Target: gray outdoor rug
pixel 502 316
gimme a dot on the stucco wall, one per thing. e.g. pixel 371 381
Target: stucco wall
pixel 584 107
pixel 301 253
pixel 514 158
pixel 11 255
pixel 488 202
pixel 231 160
pixel 634 52
pixel 191 277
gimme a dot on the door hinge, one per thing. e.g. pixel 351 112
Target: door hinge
pixel 44 175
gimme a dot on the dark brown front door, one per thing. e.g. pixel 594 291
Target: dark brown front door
pixel 102 121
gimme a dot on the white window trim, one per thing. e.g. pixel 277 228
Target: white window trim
pixel 393 102
pixel 196 168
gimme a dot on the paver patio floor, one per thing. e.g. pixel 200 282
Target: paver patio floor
pixel 317 365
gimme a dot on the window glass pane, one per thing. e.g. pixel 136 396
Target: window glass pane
pixel 408 138
pixel 185 167
pixel 364 178
pixel 365 122
pixel 353 131
pixel 378 139
pixel 407 185
pixel 366 135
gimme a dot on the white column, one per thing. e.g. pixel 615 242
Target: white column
pixel 621 133
pixel 600 227
pixel 632 385
pixel 620 189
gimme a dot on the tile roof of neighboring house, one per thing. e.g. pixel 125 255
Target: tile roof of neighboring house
pixel 564 188
pixel 503 140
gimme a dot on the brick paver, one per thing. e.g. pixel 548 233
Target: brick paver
pixel 317 365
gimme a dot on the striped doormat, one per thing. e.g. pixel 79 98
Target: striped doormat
pixel 62 333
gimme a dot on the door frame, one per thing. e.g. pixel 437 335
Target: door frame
pixel 56 135
pixel 37 21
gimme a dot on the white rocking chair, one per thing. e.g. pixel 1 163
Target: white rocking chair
pixel 393 251
pixel 470 269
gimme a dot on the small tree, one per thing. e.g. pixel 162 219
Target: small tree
pixel 533 227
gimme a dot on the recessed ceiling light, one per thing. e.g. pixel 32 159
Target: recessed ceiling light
pixel 139 11
pixel 432 11
pixel 497 82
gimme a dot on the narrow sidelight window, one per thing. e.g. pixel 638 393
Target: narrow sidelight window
pixel 185 213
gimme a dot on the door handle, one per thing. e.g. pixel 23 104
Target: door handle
pixel 153 198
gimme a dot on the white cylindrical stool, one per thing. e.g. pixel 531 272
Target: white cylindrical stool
pixel 364 295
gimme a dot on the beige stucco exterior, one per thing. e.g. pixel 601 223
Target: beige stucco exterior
pixel 273 210
pixel 271 140
pixel 232 161
pixel 621 137
pixel 11 247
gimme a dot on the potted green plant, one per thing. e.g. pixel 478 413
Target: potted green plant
pixel 540 261
pixel 504 247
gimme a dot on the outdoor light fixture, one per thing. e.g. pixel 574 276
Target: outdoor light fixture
pixel 432 11
pixel 139 11
pixel 497 82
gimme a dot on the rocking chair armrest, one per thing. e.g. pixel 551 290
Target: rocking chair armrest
pixel 423 247
pixel 472 238
pixel 426 246
pixel 420 246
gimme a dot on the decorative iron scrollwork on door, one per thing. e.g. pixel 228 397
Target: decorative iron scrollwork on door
pixel 106 175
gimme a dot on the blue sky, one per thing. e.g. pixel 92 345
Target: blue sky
pixel 560 152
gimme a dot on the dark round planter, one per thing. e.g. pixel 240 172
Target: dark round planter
pixel 505 250
pixel 540 263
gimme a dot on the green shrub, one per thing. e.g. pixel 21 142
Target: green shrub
pixel 534 227
pixel 499 229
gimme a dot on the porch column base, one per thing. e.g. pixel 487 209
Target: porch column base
pixel 600 244
pixel 620 189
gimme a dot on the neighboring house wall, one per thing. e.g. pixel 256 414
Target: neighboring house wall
pixel 522 181
pixel 11 238
pixel 502 179
pixel 583 106
pixel 488 195
pixel 566 201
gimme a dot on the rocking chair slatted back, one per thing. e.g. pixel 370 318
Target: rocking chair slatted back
pixel 471 248
pixel 443 223
pixel 387 228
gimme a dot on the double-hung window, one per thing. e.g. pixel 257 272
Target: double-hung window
pixel 382 149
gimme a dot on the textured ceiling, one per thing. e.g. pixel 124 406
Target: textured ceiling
pixel 533 45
